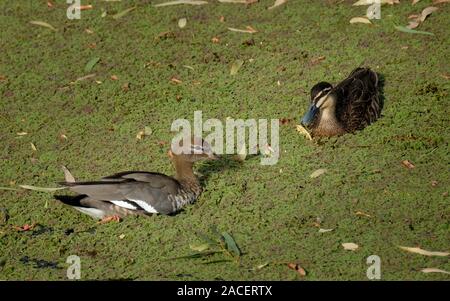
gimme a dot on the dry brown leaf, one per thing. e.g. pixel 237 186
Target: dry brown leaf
pixel 303 131
pixel 318 173
pixel 415 1
pixel 360 20
pixel 2 78
pixel 33 147
pixel 114 218
pixel 215 40
pixel 360 213
pixel 350 246
pixel 440 1
pixel 434 270
pixel 427 11
pixel 317 60
pixel 277 3
pixel 423 252
pixel 408 164
pixel 222 19
pixel 114 77
pixel 84 7
pixel 445 75
pixel 296 267
pixel 49 4
pixel 25 227
pixel 325 230
pixel 191 2
pixel 248 29
pixel 182 22
pixel 176 80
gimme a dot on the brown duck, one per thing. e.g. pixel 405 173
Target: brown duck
pixel 141 192
pixel 351 105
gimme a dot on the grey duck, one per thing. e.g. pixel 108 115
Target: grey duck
pixel 140 192
pixel 351 105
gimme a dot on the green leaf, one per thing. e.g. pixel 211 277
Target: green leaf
pixel 236 66
pixel 91 64
pixel 196 255
pixel 408 30
pixel 43 189
pixel 231 244
pixel 123 13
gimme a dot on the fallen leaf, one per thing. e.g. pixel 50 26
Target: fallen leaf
pixel 408 164
pixel 434 183
pixel 114 77
pixel 260 266
pixel 25 227
pixel 370 2
pixel 415 1
pixel 248 29
pixel 2 78
pixel 222 19
pixel 445 75
pixel 303 131
pixel 33 147
pixel 123 13
pixel 427 11
pixel 360 20
pixel 215 40
pixel 423 252
pixel 408 30
pixel 434 270
pixel 84 7
pixel 49 4
pixel 360 213
pixel 43 24
pixel 325 230
pixel 182 22
pixel 176 80
pixel 296 267
pixel 231 243
pixel 277 3
pixel 121 236
pixel 317 60
pixel 88 31
pixel 350 246
pixel 114 218
pixel 236 66
pixel 199 247
pixel 191 2
pixel 318 173
pixel 90 65
pixel 22 133
pixel 126 87
pixel 440 1
pixel 83 78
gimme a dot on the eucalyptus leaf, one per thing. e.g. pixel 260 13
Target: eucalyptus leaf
pixel 90 65
pixel 123 13
pixel 409 30
pixel 231 244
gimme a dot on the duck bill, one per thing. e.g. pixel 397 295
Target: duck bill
pixel 310 115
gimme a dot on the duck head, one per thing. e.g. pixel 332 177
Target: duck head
pixel 192 149
pixel 321 101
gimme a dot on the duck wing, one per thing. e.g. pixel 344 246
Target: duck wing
pixel 150 192
pixel 358 99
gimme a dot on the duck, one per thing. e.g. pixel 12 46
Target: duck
pixel 347 107
pixel 140 192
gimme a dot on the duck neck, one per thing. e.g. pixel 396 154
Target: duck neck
pixel 328 122
pixel 185 174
